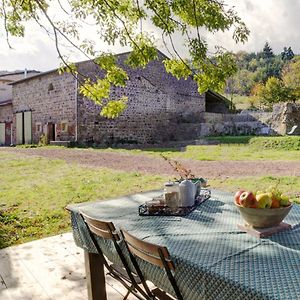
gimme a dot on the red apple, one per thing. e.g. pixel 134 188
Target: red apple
pixel 275 203
pixel 237 196
pixel 247 199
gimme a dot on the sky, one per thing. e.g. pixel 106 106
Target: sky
pixel 275 21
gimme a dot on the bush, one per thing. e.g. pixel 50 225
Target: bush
pixel 43 141
pixel 283 142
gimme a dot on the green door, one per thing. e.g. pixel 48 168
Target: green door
pixel 23 128
pixel 19 128
pixel 27 127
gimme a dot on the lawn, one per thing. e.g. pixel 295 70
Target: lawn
pixel 230 148
pixel 34 192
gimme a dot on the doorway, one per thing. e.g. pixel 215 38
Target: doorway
pixel 8 133
pixel 24 127
pixel 51 132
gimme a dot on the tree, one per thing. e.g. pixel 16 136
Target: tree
pixel 291 77
pixel 244 82
pixel 287 54
pixel 122 22
pixel 274 91
pixel 267 51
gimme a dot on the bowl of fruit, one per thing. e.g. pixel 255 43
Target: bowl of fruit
pixel 262 209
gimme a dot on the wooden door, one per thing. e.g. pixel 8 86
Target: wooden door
pixel 51 133
pixel 8 134
pixel 24 127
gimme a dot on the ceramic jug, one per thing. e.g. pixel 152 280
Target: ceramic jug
pixel 197 184
pixel 187 192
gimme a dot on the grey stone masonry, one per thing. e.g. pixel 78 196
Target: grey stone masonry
pixel 6 113
pixel 156 103
pixel 52 100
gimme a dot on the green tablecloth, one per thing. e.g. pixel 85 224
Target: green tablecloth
pixel 213 258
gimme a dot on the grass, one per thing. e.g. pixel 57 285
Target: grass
pixel 229 148
pixel 241 139
pixel 35 191
pixel 243 102
pixel 289 185
pixel 240 102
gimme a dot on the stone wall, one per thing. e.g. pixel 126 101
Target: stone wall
pixel 52 100
pixel 278 122
pixel 157 102
pixel 236 124
pixel 6 113
pixel 285 116
pixel 142 122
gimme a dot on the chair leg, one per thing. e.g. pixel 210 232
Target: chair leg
pixel 126 296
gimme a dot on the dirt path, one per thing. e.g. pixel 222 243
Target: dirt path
pixel 146 164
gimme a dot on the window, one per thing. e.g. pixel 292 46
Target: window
pixel 64 126
pixel 38 127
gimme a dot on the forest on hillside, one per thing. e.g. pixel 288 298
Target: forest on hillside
pixel 264 78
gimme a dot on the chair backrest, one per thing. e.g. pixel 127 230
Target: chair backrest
pixel 108 231
pixel 101 228
pixel 154 254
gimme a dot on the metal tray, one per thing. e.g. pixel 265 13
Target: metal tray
pixel 163 210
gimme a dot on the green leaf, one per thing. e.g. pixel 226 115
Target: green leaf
pixel 114 108
pixel 177 68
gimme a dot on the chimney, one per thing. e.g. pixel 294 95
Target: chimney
pixel 25 73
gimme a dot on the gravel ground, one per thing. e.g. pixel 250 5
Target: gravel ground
pixel 153 165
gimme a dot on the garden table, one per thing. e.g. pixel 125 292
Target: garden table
pixel 213 258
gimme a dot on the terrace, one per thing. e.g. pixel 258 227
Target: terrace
pixel 46 269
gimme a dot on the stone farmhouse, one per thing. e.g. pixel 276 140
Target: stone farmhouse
pixel 6 109
pixel 160 108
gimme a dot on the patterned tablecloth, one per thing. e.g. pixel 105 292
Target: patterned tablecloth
pixel 213 258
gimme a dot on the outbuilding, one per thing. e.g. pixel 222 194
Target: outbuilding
pixel 160 107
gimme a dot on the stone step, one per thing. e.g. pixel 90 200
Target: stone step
pixel 60 143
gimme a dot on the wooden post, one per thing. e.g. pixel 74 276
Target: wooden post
pixel 95 276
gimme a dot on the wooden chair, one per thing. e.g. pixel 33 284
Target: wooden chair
pixel 153 254
pixel 123 274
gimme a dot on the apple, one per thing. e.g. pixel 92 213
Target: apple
pixel 237 196
pixel 264 201
pixel 284 200
pixel 247 199
pixel 275 203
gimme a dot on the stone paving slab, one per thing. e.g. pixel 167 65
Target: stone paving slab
pixel 48 269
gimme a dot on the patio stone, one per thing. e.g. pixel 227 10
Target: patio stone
pixel 48 269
